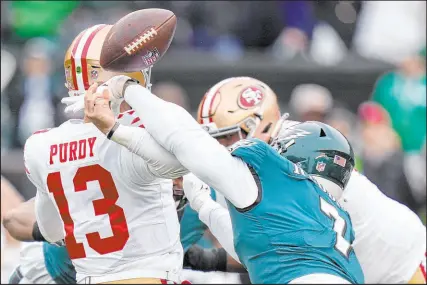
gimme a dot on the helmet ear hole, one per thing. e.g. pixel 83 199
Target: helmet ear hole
pixel 322 133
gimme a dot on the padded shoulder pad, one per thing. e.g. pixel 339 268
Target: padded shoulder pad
pixel 251 151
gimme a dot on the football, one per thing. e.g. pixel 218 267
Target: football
pixel 138 40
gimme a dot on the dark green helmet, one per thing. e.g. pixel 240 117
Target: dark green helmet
pixel 318 149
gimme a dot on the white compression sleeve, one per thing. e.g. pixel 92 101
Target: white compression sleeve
pixel 160 162
pixel 218 220
pixel 175 129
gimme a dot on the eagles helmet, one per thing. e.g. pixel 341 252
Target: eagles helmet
pixel 319 149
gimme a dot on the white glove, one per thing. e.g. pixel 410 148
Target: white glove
pixel 196 191
pixel 74 103
pixel 115 86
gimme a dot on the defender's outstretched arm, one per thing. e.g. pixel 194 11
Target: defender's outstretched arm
pixel 177 131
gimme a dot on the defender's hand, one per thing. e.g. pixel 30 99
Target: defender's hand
pixel 97 109
pixel 116 87
pixel 196 191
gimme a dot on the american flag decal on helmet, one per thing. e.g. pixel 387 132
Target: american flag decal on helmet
pixel 340 160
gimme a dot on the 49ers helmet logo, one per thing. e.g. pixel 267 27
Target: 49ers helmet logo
pixel 250 97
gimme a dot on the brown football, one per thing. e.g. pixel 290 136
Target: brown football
pixel 138 40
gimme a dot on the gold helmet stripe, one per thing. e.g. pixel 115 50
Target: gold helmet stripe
pixel 78 57
pixel 206 110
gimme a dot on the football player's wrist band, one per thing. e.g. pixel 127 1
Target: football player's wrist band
pixel 113 129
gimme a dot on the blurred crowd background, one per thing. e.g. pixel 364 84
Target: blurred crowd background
pixel 357 65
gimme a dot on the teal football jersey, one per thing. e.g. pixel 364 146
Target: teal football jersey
pixel 295 228
pixel 58 264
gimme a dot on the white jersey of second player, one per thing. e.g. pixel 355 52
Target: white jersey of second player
pixel 119 218
pixel 390 239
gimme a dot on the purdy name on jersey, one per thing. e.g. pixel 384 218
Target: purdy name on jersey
pixel 110 201
pixel 72 151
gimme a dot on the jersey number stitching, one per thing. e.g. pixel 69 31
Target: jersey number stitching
pixel 106 205
pixel 340 226
pixel 341 244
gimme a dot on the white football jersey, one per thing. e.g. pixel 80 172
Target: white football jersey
pixel 119 218
pixel 390 240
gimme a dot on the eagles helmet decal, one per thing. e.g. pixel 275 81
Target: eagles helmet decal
pixel 318 149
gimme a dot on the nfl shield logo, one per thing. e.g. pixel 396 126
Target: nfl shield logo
pixel 320 166
pixel 94 74
pixel 151 57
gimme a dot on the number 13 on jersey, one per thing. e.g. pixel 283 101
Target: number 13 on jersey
pixel 104 206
